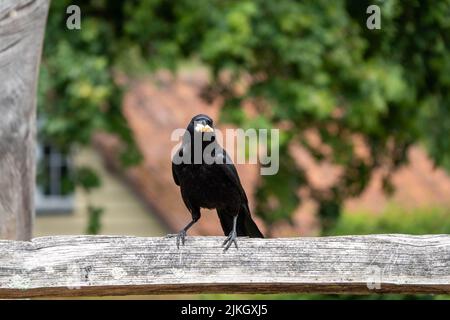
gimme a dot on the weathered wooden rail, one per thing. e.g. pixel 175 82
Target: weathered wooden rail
pixel 114 265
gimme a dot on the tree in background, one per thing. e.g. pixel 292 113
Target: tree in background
pixel 78 95
pixel 310 66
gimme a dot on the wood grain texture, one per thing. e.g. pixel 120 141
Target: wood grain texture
pixel 114 265
pixel 22 24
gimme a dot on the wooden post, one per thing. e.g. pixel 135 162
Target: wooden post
pixel 22 25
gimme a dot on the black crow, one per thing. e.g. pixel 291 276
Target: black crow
pixel 208 179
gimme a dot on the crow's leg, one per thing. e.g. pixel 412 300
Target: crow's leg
pixel 232 237
pixel 181 236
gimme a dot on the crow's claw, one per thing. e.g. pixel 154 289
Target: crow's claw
pixel 171 235
pixel 181 237
pixel 232 238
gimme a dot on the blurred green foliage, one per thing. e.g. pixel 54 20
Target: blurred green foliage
pixel 395 220
pixel 94 223
pixel 78 94
pixel 293 296
pixel 306 65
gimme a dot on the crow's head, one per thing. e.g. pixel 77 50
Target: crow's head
pixel 201 123
pixel 200 129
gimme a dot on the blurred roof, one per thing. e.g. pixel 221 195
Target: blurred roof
pixel 154 107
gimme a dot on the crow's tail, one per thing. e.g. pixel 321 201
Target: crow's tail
pixel 245 225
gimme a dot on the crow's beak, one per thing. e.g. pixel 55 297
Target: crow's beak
pixel 203 128
pixel 207 128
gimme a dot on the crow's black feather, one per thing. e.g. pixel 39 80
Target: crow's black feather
pixel 214 186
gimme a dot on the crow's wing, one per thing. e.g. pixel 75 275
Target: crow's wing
pixel 174 167
pixel 174 174
pixel 224 161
